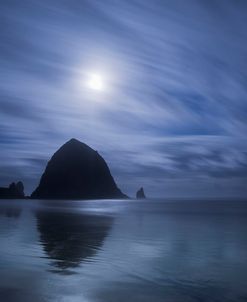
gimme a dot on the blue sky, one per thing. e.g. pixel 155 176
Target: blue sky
pixel 172 114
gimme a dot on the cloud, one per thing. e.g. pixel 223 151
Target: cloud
pixel 174 114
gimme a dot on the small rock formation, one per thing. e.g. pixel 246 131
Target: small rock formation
pixel 140 194
pixel 15 190
pixel 76 171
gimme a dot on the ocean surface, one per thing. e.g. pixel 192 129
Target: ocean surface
pixel 152 250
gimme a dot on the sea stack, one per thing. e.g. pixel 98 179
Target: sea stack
pixel 15 190
pixel 76 171
pixel 140 194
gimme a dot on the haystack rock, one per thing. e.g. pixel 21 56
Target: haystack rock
pixel 140 194
pixel 76 171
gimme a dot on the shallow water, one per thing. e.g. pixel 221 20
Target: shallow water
pixel 123 251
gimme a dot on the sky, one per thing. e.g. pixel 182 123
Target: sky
pixel 171 114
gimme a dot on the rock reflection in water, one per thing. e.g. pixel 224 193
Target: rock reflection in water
pixel 10 211
pixel 70 238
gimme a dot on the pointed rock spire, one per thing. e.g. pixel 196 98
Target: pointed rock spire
pixel 140 194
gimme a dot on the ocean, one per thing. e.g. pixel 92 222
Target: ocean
pixel 135 250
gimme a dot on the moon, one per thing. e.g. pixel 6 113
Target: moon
pixel 95 82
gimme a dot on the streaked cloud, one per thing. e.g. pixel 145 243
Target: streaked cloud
pixel 173 118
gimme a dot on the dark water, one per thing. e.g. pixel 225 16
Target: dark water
pixel 123 251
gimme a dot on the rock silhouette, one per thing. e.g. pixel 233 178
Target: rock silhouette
pixel 15 190
pixel 76 171
pixel 140 194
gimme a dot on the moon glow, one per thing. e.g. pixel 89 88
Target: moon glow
pixel 95 82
